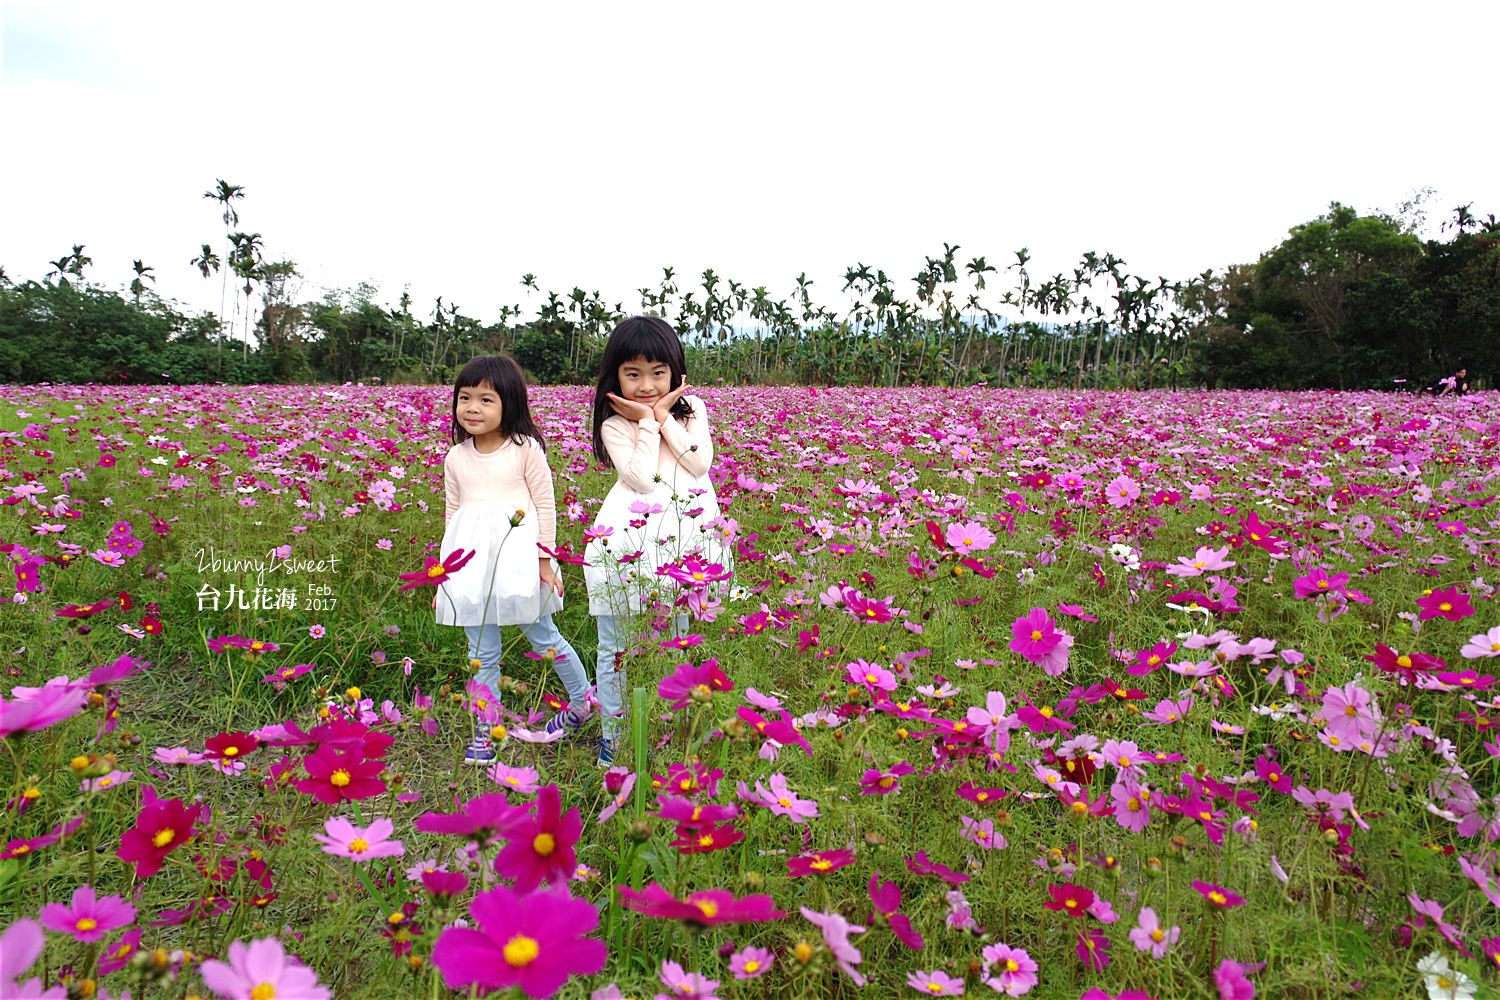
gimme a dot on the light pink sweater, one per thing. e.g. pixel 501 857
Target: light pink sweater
pixel 635 448
pixel 516 474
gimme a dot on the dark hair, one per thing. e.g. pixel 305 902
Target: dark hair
pixel 646 337
pixel 504 376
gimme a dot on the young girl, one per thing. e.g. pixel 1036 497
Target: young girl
pixel 499 505
pixel 658 511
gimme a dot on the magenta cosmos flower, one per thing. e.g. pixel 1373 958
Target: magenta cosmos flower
pixel 877 782
pixel 708 907
pixel 1218 897
pixel 433 572
pixel 886 898
pixel 1034 635
pixel 334 777
pixel 261 969
pixel 1447 603
pixel 87 917
pixel 820 863
pixel 541 846
pixel 688 682
pixel 160 827
pixel 1074 900
pixel 532 941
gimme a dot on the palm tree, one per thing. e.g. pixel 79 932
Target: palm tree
pixel 142 275
pixel 245 261
pixel 226 195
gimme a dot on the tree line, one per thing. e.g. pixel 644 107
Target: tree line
pixel 1345 301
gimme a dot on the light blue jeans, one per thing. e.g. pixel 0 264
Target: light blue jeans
pixel 485 644
pixel 615 638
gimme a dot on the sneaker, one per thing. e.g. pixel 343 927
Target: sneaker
pixel 606 753
pixel 481 749
pixel 567 720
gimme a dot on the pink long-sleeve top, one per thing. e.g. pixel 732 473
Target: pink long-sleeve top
pixel 516 473
pixel 642 450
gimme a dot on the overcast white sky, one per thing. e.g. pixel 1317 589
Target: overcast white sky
pixel 453 147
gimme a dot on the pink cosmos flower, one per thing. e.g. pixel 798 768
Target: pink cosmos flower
pixel 1008 970
pixel 935 983
pixel 86 917
pixel 1205 560
pixel 1149 935
pixel 1055 661
pixel 1448 603
pixel 751 963
pixel 968 536
pixel 706 908
pixel 1316 582
pixel 522 780
pixel 335 776
pixel 1121 492
pixel 871 676
pixel 918 864
pixel 1230 978
pixel 20 946
pixel 359 843
pixel 683 985
pixel 836 931
pixel 780 799
pixel 1034 635
pixel 534 941
pixel 261 969
pixel 1132 804
pixel 32 709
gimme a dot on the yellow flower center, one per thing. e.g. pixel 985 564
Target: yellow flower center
pixel 264 991
pixel 822 864
pixel 1124 761
pixel 1047 712
pixel 231 751
pixel 1445 606
pixel 86 924
pixel 1035 634
pixel 339 778
pixel 163 837
pixel 784 803
pixel 1158 935
pixel 435 571
pixel 1217 897
pixel 1071 904
pixel 752 966
pixel 1134 805
pixel 1350 711
pixel 1011 965
pixel 521 950
pixel 886 782
pixel 706 840
pixel 1079 808
pixel 544 844
pixel 32 793
pixel 1273 776
pixel 359 845
pixel 1403 661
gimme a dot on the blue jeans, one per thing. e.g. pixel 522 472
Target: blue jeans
pixel 485 644
pixel 616 635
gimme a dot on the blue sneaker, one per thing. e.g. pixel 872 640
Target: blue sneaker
pixel 606 753
pixel 481 749
pixel 566 720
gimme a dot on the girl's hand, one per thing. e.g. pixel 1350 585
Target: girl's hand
pixel 549 578
pixel 629 408
pixel 662 408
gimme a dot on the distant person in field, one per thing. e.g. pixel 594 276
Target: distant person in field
pixel 1456 384
pixel 659 522
pixel 500 508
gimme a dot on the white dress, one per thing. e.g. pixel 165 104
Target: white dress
pixel 656 513
pixel 500 585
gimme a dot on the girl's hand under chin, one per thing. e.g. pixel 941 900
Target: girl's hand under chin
pixel 662 409
pixel 629 408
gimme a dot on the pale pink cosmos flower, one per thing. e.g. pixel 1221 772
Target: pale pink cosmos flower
pixel 515 779
pixel 1008 970
pixel 261 969
pixel 344 839
pixel 1150 935
pixel 1484 645
pixel 1121 492
pixel 1205 560
pixel 87 917
pixel 836 931
pixel 683 985
pixel 751 963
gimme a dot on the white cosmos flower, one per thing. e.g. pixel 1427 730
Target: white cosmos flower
pixel 1442 982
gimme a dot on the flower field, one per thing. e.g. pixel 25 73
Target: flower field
pixel 1049 694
